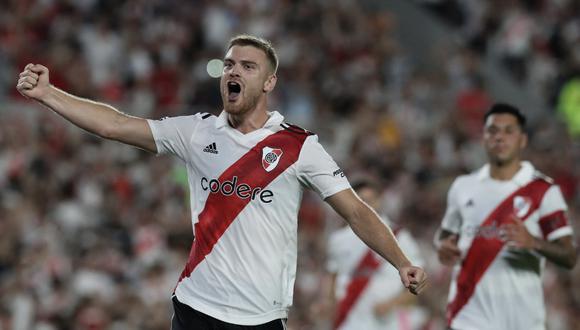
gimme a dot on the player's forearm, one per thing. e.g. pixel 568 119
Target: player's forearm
pixel 561 252
pixel 401 300
pixel 379 237
pixel 95 117
pixel 332 303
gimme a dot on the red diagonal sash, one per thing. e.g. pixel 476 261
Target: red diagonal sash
pixel 363 273
pixel 366 267
pixel 484 249
pixel 221 210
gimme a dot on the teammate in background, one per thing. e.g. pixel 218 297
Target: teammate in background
pixel 246 170
pixel 364 289
pixel 501 223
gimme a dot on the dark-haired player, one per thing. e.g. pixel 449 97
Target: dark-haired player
pixel 501 223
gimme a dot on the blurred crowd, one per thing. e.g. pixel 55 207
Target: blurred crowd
pixel 94 234
pixel 537 41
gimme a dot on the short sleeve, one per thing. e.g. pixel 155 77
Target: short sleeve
pixel 173 135
pixel 553 220
pixel 452 218
pixel 318 171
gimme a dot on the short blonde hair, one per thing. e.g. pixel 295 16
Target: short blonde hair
pixel 260 43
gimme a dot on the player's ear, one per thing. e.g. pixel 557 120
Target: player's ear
pixel 524 141
pixel 270 83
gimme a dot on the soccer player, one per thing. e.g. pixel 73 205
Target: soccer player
pixel 364 290
pixel 501 223
pixel 246 169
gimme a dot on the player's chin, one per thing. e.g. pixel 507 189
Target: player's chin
pixel 500 159
pixel 233 108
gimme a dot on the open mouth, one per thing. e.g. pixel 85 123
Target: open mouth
pixel 234 90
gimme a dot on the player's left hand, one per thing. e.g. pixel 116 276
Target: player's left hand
pixel 516 235
pixel 414 278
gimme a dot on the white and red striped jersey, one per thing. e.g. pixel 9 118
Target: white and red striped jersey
pixel 364 279
pixel 245 195
pixel 496 286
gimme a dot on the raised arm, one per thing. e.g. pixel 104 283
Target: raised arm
pixel 94 117
pixel 367 225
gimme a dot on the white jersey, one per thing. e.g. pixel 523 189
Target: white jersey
pixel 365 279
pixel 496 286
pixel 245 195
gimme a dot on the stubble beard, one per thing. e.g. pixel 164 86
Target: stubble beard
pixel 245 105
pixel 502 161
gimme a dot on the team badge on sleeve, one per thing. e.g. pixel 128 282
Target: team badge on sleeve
pixel 270 158
pixel 522 205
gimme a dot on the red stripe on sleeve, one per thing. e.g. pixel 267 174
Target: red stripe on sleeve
pixel 221 210
pixel 484 249
pixel 553 221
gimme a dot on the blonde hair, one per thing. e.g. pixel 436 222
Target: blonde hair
pixel 263 44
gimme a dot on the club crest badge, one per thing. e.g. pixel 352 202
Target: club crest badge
pixel 522 206
pixel 270 158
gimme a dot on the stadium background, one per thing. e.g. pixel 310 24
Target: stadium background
pixel 94 234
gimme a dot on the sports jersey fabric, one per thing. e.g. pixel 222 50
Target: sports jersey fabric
pixel 364 279
pixel 496 286
pixel 245 195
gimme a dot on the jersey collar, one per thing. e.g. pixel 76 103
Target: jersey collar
pixel 523 176
pixel 275 119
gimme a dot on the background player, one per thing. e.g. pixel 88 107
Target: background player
pixel 364 292
pixel 501 222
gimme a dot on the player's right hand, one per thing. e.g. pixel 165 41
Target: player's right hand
pixel 33 82
pixel 414 278
pixel 448 251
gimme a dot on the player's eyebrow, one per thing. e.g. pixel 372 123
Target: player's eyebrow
pixel 249 62
pixel 230 60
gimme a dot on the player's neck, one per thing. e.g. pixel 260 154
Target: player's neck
pixel 250 120
pixel 504 172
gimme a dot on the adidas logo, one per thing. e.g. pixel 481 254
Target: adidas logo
pixel 212 148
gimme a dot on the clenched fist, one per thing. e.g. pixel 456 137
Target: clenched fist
pixel 33 82
pixel 413 278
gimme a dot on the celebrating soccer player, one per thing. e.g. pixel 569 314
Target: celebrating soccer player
pixel 247 169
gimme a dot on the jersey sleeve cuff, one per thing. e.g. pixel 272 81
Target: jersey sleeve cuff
pixel 449 229
pixel 155 133
pixel 559 233
pixel 334 190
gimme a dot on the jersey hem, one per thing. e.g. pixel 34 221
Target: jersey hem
pixel 234 319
